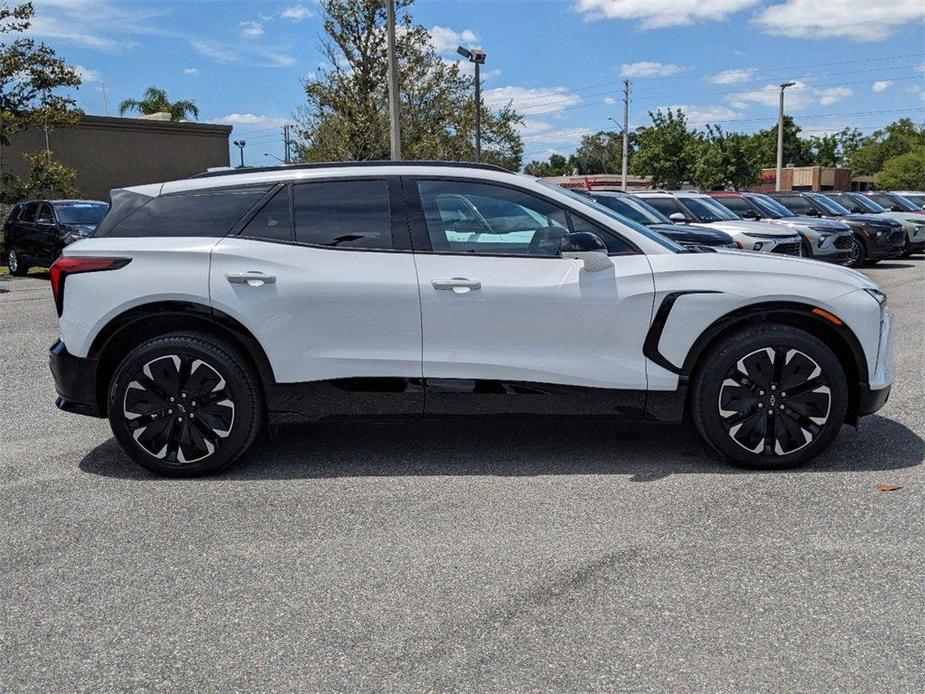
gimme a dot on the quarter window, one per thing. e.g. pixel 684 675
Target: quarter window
pixel 273 221
pixel 343 214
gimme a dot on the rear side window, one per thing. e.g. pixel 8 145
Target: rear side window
pixel 343 214
pixel 28 213
pixel 200 213
pixel 273 221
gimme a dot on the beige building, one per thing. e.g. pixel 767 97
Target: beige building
pixel 112 153
pixel 601 182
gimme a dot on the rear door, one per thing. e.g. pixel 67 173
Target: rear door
pixel 45 234
pixel 323 276
pixel 24 231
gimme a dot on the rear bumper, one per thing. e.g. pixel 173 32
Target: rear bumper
pixel 75 381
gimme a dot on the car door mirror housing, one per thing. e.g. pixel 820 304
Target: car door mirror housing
pixel 677 217
pixel 750 214
pixel 587 247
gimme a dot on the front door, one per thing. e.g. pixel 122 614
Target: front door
pixel 324 278
pixel 504 315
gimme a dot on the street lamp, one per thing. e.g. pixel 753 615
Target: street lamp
pixel 273 156
pixel 780 134
pixel 240 145
pixel 477 56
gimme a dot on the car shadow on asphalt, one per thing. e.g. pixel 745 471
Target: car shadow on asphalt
pixel 514 447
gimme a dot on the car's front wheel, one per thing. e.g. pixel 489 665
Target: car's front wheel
pixel 772 396
pixel 857 253
pixel 185 404
pixel 14 262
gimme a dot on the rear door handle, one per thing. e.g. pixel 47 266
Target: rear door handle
pixel 252 278
pixel 460 285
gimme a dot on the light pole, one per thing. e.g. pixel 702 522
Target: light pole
pixel 240 145
pixel 780 135
pixel 273 156
pixel 474 55
pixel 394 127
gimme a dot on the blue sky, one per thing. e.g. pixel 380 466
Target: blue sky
pixel 856 64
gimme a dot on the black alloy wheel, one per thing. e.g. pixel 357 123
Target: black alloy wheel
pixel 856 252
pixel 15 263
pixel 184 405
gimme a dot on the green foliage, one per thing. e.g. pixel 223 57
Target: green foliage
pixel 666 149
pixel 155 100
pixel 905 172
pixel 346 116
pixel 894 140
pixel 47 178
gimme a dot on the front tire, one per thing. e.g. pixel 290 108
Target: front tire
pixel 857 252
pixel 185 404
pixel 769 397
pixel 14 262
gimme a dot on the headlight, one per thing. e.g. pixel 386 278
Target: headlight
pixel 822 239
pixel 879 296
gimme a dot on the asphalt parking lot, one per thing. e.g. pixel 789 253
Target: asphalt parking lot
pixel 454 555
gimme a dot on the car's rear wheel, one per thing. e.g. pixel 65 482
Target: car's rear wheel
pixel 857 253
pixel 14 261
pixel 772 396
pixel 185 404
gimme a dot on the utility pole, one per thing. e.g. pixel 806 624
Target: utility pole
pixel 45 108
pixel 780 136
pixel 105 100
pixel 626 125
pixel 395 135
pixel 477 56
pixel 287 156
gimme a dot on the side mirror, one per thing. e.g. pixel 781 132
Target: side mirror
pixel 857 209
pixel 813 213
pixel 586 247
pixel 677 218
pixel 750 214
pixel 896 208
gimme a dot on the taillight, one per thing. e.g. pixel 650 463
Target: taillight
pixel 74 265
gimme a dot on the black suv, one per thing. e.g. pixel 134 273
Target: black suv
pixel 37 230
pixel 880 237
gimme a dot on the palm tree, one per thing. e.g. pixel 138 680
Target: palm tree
pixel 155 101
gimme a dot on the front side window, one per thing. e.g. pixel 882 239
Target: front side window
pixel 44 215
pixel 209 213
pixel 739 206
pixel 797 204
pixel 635 210
pixel 343 214
pixel 467 217
pixel 830 205
pixel 708 210
pixel 667 206
pixel 771 207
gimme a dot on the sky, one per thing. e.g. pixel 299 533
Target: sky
pixel 561 63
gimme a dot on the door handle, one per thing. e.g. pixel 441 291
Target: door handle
pixel 252 278
pixel 459 285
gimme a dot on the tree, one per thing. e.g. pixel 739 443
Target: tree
pixel 346 116
pixel 155 100
pixel 905 172
pixel 29 74
pixel 557 165
pixel 796 150
pixel 894 140
pixel 47 178
pixel 665 149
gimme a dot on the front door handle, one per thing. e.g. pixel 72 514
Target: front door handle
pixel 253 278
pixel 459 285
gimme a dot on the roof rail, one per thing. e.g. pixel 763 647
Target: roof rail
pixel 357 164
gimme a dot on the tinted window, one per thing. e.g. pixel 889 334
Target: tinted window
pixel 708 210
pixel 828 204
pixel 81 213
pixel 635 210
pixel 465 217
pixel 345 214
pixel 796 203
pixel 882 200
pixel 614 244
pixel 44 215
pixel 667 206
pixel 28 213
pixel 273 221
pixel 770 206
pixel 738 205
pixel 201 213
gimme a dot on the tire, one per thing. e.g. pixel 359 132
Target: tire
pixel 857 252
pixel 745 378
pixel 156 417
pixel 15 263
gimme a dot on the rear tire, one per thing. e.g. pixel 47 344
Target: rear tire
pixel 14 261
pixel 769 397
pixel 185 404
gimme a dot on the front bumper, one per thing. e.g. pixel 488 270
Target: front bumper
pixel 75 381
pixel 890 244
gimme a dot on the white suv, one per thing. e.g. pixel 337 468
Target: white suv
pixel 203 306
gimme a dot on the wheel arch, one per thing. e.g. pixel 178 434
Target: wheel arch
pixel 838 337
pixel 141 323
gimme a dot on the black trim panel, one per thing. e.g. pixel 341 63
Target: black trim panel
pixel 654 335
pixel 75 381
pixel 870 401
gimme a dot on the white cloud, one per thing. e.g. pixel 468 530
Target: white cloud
pixel 666 13
pixel 609 100
pixel 839 18
pixel 253 121
pixel 827 97
pixel 446 40
pixel 527 102
pixel 647 68
pixel 86 74
pixel 733 76
pixel 882 85
pixel 701 115
pixel 191 71
pixel 251 29
pixel 296 13
pixel 468 69
pixel 563 136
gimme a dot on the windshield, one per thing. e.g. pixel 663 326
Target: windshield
pixel 887 202
pixel 771 207
pixel 707 210
pixel 635 226
pixel 853 202
pixel 90 213
pixel 740 205
pixel 636 210
pixel 917 199
pixel 829 205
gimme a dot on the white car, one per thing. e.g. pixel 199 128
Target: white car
pixel 685 207
pixel 201 307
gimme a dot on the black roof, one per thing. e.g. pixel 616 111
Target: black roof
pixel 358 164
